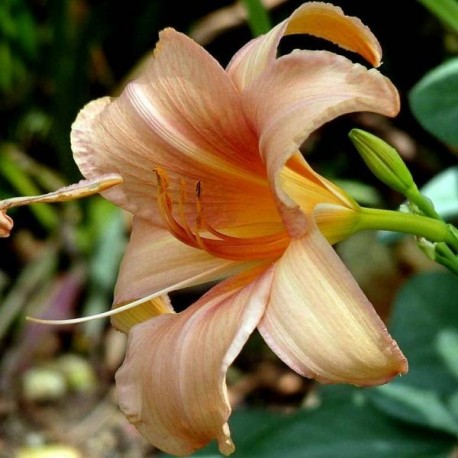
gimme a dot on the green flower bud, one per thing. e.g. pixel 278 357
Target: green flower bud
pixel 383 160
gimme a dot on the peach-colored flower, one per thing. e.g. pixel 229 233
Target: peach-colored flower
pixel 218 189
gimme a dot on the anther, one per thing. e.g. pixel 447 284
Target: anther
pixel 216 243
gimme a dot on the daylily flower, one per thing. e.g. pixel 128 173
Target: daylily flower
pixel 219 191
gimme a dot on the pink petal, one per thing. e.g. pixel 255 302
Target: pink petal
pixel 182 115
pixel 172 383
pixel 309 88
pixel 315 18
pixel 320 323
pixel 156 262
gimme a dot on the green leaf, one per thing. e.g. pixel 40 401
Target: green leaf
pixel 424 308
pixel 443 192
pixel 416 405
pixel 344 428
pixel 6 75
pixel 425 325
pixel 447 348
pixel 453 404
pixel 11 170
pixel 27 32
pixel 258 17
pixel 434 101
pixel 107 239
pixel 445 10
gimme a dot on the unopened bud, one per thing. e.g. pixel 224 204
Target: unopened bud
pixel 383 161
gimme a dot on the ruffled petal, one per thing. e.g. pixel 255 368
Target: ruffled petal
pixel 155 263
pixel 182 115
pixel 322 20
pixel 172 383
pixel 320 323
pixel 309 88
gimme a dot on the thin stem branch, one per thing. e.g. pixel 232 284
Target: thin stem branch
pixel 420 226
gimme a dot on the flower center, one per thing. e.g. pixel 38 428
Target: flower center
pixel 205 237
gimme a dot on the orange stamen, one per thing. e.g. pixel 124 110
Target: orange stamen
pixel 220 245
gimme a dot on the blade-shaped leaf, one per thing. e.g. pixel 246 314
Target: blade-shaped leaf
pixel 342 426
pixel 434 101
pixel 425 325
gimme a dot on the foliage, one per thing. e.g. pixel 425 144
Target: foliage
pixel 434 101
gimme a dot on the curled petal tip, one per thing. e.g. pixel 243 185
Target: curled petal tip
pixel 397 367
pixel 327 21
pixel 225 444
pixel 320 19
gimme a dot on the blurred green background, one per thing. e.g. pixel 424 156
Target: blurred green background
pixel 61 261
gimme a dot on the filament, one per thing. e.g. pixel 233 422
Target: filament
pixel 204 236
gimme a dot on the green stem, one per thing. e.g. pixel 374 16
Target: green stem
pixel 421 226
pixel 422 202
pixel 449 263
